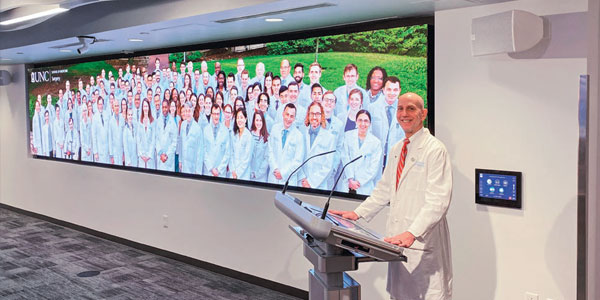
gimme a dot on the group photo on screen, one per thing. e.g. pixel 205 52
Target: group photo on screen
pixel 253 113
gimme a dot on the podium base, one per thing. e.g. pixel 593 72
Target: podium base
pixel 319 290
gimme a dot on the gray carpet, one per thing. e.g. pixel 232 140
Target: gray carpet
pixel 41 260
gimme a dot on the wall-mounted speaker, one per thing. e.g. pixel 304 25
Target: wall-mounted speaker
pixel 507 32
pixel 5 77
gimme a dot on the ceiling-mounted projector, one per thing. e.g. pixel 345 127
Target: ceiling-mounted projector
pixel 85 42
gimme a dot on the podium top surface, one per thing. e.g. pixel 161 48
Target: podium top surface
pixel 337 231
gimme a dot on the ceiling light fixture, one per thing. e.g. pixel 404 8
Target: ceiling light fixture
pixel 37 15
pixel 136 40
pixel 5 59
pixel 274 20
pixel 66 50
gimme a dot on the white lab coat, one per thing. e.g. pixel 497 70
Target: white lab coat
pixel 145 145
pixel 379 121
pixel 115 139
pixel 46 140
pixel 166 143
pixel 85 132
pixel 273 109
pixel 58 137
pixel 36 128
pixel 130 145
pixel 317 170
pixel 72 144
pixel 100 138
pixel 191 154
pixel 242 153
pixel 366 169
pixel 287 158
pixel 216 151
pixel 336 127
pixel 418 206
pixel 259 164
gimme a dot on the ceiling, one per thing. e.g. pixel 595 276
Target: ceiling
pixel 169 23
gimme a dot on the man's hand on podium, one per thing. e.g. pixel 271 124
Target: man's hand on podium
pixel 345 214
pixel 405 239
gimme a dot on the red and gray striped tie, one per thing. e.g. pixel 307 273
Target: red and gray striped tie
pixel 401 161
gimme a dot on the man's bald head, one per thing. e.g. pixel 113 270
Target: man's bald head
pixel 412 97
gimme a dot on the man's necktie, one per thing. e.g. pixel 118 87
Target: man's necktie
pixel 402 161
pixel 283 138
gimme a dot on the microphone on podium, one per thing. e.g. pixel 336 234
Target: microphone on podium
pixel 298 168
pixel 326 207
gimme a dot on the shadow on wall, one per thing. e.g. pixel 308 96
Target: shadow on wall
pixel 472 241
pixel 560 40
pixel 556 247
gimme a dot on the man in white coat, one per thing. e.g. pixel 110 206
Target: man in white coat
pixel 217 147
pixel 191 156
pixel 317 139
pixel 286 148
pixel 100 134
pixel 166 140
pixel 418 191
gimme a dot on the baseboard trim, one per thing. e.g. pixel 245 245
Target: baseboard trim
pixel 269 284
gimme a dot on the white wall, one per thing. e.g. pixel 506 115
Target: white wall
pixel 235 227
pixel 520 114
pixel 492 112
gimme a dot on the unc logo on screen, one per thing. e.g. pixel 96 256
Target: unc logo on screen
pixel 40 76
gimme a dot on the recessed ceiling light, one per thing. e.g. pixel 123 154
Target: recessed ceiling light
pixel 273 20
pixel 136 40
pixel 66 50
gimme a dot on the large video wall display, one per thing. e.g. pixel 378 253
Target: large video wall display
pixel 250 113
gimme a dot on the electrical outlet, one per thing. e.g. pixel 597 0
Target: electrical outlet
pixel 165 219
pixel 531 296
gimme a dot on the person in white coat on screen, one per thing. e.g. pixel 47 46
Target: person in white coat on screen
pixel 100 133
pixel 58 134
pixel 317 140
pixel 360 176
pixel 166 140
pixel 85 132
pixel 418 190
pixel 191 156
pixel 145 138
pixel 50 107
pixel 129 140
pixel 385 126
pixel 217 150
pixel 239 163
pixel 259 163
pixel 263 106
pixel 115 136
pixel 286 148
pixel 336 127
pixel 36 128
pixel 71 141
pixel 342 93
pixel 374 86
pixel 46 135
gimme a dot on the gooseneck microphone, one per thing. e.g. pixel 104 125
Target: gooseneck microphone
pixel 298 168
pixel 326 207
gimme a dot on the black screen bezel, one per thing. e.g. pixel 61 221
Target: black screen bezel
pixel 499 202
pixel 338 29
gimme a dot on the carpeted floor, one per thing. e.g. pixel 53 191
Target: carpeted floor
pixel 41 260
